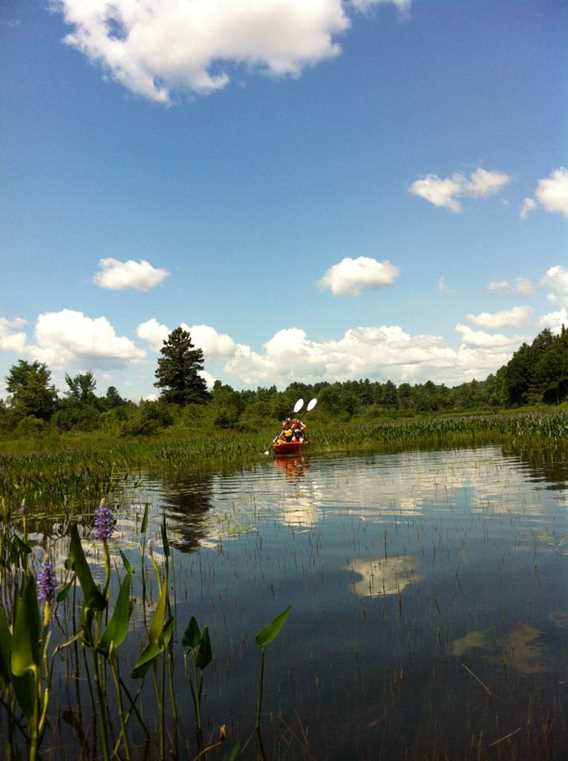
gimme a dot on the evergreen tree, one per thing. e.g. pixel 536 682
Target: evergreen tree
pixel 178 370
pixel 31 392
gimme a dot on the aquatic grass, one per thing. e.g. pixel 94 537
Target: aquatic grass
pixel 76 475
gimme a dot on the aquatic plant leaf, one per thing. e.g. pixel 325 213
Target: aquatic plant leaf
pixel 269 633
pixel 5 647
pixel 117 628
pixel 167 633
pixel 24 689
pixel 128 567
pixel 233 753
pixel 204 653
pixel 64 591
pixel 94 599
pixel 192 635
pixel 147 657
pixel 27 627
pixel 159 617
pixel 165 540
pixel 144 526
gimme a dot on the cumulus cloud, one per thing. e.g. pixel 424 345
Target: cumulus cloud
pixel 556 279
pixel 156 47
pixel 521 285
pixel 554 320
pixel 445 191
pixel 153 332
pixel 119 276
pixel 551 194
pixel 71 338
pixel 506 318
pixel 487 340
pixel 374 352
pixel 213 343
pixel 11 338
pixel 351 276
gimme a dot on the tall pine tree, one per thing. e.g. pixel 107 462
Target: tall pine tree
pixel 178 370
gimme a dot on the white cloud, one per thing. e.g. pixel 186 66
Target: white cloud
pixel 551 194
pixel 118 276
pixel 528 205
pixel 521 285
pixel 506 318
pixel 213 343
pixel 69 338
pixel 556 279
pixel 12 339
pixel 156 47
pixel 373 352
pixel 554 320
pixel 484 183
pixel 153 332
pixel 443 286
pixel 350 276
pixel 445 191
pixel 403 6
pixel 487 340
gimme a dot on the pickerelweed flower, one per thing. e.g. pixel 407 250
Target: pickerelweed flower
pixel 104 522
pixel 46 582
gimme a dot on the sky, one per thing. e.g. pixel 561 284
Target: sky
pixel 316 189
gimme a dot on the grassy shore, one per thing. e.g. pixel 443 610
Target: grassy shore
pixel 78 467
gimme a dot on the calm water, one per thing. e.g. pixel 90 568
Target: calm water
pixel 429 594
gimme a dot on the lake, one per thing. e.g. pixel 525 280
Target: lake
pixel 429 595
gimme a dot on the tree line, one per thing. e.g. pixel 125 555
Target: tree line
pixel 536 373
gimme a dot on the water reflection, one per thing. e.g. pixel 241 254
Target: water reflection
pixel 186 503
pixel 384 576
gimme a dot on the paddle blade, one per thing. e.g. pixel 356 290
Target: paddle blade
pixel 298 406
pixel 311 404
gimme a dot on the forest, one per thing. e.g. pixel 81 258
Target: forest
pixel 536 374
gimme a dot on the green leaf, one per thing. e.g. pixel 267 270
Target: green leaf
pixel 204 654
pixel 165 541
pixel 5 647
pixel 128 567
pixel 147 657
pixel 192 635
pixel 144 526
pixel 64 591
pixel 94 599
pixel 233 753
pixel 159 617
pixel 270 632
pixel 24 687
pixel 167 633
pixel 117 628
pixel 26 645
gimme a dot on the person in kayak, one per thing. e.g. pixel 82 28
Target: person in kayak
pixel 299 430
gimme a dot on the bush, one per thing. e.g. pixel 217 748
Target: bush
pixel 31 426
pixel 227 417
pixel 78 417
pixel 148 419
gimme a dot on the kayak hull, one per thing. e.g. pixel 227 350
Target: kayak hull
pixel 288 447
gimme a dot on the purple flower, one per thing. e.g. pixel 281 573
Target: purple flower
pixel 104 522
pixel 46 582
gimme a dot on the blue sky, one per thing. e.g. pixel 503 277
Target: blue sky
pixel 247 158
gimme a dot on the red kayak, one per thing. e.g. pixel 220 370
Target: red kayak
pixel 287 447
